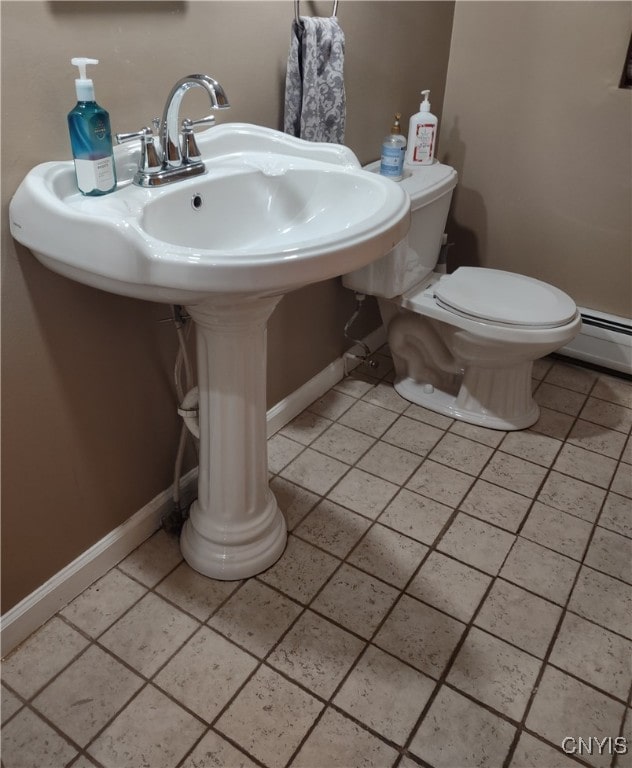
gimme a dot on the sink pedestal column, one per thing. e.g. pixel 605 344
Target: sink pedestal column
pixel 235 528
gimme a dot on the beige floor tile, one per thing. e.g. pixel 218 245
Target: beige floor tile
pixel 496 505
pixel 519 617
pixel 559 398
pixel 213 751
pixel 255 617
pixel 540 570
pixel 386 397
pixel 420 636
pixel 563 706
pixel 458 732
pixel 269 717
pixel 385 694
pixel 28 742
pixel 370 419
pixel 557 530
pixel 295 502
pixel 613 389
pixel 149 634
pixel 205 673
pixel 413 435
pixel 34 663
pixel 449 585
pixel 390 462
pixel 194 593
pixel 571 377
pixel 607 414
pixel 419 413
pixel 476 543
pixel 332 405
pixel 337 742
pixel 316 653
pixel 597 438
pixel 333 528
pixel 9 705
pixel 153 560
pixel 416 516
pixel 617 514
pixel 103 603
pixel 305 427
pixel 514 474
pixel 495 673
pixel 604 600
pixel 281 451
pixel 594 654
pixel 314 471
pixel 611 553
pixel 355 600
pixel 87 694
pixel 357 384
pixel 533 753
pixel 301 571
pixel 553 423
pixel 151 731
pixel 531 446
pixel 443 484
pixel 343 443
pixel 388 555
pixel 363 493
pixel 622 482
pixel 456 451
pixel 626 456
pixel 489 437
pixel 572 495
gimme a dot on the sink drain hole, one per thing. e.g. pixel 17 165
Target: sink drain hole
pixel 196 202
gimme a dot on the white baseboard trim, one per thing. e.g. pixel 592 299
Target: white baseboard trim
pixel 604 340
pixel 35 609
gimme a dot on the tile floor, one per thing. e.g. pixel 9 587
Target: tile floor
pixel 450 596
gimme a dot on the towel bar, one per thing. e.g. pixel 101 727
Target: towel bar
pixel 297 15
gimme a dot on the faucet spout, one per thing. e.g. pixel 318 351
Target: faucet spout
pixel 172 155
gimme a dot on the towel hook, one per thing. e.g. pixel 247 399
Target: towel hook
pixel 297 14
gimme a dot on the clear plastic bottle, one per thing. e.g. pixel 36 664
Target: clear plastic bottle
pixel 393 151
pixel 91 138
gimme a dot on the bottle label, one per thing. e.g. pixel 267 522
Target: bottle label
pixel 424 141
pixel 392 162
pixel 95 174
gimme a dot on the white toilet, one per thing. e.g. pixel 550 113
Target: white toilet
pixel 463 344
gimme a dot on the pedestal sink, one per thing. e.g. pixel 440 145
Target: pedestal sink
pixel 272 213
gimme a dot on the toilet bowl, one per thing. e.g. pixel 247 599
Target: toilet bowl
pixel 463 344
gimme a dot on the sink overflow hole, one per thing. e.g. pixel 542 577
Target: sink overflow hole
pixel 196 202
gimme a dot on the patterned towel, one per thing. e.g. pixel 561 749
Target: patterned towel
pixel 315 106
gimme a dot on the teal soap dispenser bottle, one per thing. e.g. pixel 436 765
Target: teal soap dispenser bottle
pixel 91 138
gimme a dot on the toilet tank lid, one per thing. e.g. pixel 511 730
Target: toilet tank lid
pixel 424 183
pixel 504 297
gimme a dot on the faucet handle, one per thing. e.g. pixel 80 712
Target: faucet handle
pixel 150 160
pixel 190 150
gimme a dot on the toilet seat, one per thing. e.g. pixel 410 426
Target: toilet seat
pixel 504 298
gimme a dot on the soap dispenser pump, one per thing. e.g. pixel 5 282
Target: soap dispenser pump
pixel 393 149
pixel 91 137
pixel 422 134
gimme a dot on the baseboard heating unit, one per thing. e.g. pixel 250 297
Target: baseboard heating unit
pixel 605 340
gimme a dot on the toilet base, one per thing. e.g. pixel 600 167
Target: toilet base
pixel 507 390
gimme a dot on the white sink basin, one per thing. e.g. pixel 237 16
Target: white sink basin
pixel 271 213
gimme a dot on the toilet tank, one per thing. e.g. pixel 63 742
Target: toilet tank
pixel 430 189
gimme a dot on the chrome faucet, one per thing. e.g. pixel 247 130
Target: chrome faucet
pixel 176 155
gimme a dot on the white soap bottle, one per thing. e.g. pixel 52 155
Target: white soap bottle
pixel 393 149
pixel 422 135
